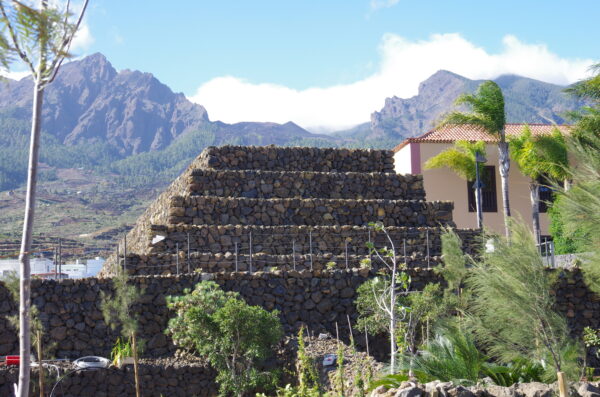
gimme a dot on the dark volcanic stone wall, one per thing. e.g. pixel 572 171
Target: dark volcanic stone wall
pixel 306 184
pixel 297 158
pixel 70 309
pixel 157 379
pixel 278 240
pixel 200 210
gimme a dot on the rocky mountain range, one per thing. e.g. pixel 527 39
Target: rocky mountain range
pixel 527 101
pixel 90 102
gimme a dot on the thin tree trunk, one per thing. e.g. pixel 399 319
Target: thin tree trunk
pixel 393 318
pixel 504 168
pixel 25 284
pixel 41 367
pixel 534 194
pixel 135 365
pixel 478 195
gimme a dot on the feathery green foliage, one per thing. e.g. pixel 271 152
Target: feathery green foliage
pixel 564 243
pixel 460 159
pixel 579 207
pixel 454 269
pixel 513 310
pixel 487 105
pixel 118 308
pixel 235 338
pixel 538 156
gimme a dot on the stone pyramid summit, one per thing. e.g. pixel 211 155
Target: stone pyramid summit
pixel 239 208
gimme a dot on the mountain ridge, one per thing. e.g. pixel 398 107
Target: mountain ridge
pixel 527 101
pixel 91 102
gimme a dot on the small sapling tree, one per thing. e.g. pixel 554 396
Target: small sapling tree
pixel 118 312
pixel 378 297
pixel 234 337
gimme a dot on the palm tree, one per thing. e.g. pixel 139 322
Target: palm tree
pixel 487 106
pixel 461 160
pixel 539 157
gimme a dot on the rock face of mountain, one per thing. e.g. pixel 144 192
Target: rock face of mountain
pixel 527 101
pixel 91 102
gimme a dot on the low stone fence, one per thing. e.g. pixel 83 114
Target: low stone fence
pixel 287 240
pixel 305 184
pixel 199 210
pixel 157 379
pixel 165 263
pixel 274 158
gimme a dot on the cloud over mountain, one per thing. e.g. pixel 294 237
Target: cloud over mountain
pixel 403 64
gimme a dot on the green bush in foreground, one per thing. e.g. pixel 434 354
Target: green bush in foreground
pixel 234 337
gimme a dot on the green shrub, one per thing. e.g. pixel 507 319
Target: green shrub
pixel 234 337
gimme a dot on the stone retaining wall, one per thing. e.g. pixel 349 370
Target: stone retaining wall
pixel 200 210
pixel 304 184
pixel 165 264
pixel 157 379
pixel 274 158
pixel 283 240
pixel 71 315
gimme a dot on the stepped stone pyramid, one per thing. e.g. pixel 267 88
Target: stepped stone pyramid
pixel 240 208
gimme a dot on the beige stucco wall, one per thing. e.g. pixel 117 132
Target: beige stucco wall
pixel 443 184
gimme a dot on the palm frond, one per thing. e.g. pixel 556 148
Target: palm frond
pixel 460 159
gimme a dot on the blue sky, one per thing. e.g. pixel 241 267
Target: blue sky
pixel 331 63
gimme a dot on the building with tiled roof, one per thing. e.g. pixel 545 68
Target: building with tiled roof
pixel 443 184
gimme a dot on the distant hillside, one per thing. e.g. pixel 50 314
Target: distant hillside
pixel 98 118
pixel 527 101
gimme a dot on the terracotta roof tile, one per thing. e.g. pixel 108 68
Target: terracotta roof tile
pixel 457 132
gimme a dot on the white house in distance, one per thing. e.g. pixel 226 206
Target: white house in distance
pixel 45 268
pixel 443 184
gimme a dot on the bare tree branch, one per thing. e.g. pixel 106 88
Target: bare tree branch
pixel 66 45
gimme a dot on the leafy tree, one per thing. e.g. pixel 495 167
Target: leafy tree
pixel 118 312
pixel 487 106
pixel 461 160
pixel 234 337
pixel 40 38
pixel 539 157
pixel 513 309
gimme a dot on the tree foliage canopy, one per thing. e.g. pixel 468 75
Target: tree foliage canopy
pixel 460 159
pixel 538 156
pixel 487 105
pixel 233 336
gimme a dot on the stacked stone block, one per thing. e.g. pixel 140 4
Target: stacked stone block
pixel 260 208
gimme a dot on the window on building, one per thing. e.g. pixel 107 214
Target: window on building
pixel 488 191
pixel 546 194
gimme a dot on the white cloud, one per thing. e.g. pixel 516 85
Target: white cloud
pixel 377 4
pixel 14 75
pixel 83 38
pixel 402 66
